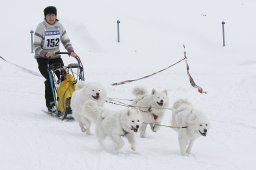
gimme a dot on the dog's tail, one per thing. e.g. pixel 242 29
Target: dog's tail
pixel 80 84
pixel 181 104
pixel 139 91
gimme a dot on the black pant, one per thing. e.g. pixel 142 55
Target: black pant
pixel 42 66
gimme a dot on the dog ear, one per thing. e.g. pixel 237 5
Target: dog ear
pixel 166 92
pixel 128 113
pixel 153 91
pixel 193 117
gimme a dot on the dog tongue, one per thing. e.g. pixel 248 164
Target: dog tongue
pixel 134 129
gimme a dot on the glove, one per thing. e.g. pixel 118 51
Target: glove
pixel 73 54
pixel 49 54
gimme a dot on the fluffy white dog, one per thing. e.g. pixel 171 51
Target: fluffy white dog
pixel 190 124
pixel 117 124
pixel 84 93
pixel 152 107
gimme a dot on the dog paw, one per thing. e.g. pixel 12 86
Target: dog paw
pixel 83 129
pixel 133 148
pixel 142 135
pixel 185 154
pixel 156 128
pixel 88 133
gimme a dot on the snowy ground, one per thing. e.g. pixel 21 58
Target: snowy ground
pixel 152 35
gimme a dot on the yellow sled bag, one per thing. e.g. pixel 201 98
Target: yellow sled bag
pixel 65 91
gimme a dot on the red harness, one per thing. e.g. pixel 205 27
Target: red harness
pixel 154 116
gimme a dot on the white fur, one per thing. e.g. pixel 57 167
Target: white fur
pixel 184 115
pixel 150 105
pixel 118 124
pixel 81 107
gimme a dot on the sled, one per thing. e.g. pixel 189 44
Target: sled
pixel 63 81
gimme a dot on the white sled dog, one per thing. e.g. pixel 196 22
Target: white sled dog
pixel 190 124
pixel 152 107
pixel 117 124
pixel 84 93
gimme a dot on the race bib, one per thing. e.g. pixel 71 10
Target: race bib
pixel 52 39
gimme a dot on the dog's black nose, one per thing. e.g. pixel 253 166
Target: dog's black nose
pixel 97 94
pixel 137 126
pixel 205 130
pixel 161 101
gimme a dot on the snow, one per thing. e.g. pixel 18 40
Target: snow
pixel 152 34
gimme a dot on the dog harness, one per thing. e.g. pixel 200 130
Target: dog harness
pixel 125 132
pixel 154 116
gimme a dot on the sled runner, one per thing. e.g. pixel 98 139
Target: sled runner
pixel 63 81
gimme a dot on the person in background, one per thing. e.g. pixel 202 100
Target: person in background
pixel 48 36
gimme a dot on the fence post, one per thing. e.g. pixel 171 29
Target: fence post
pixel 32 44
pixel 223 33
pixel 118 32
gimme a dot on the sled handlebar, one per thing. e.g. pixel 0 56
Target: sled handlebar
pixel 62 53
pixel 80 65
pixel 68 53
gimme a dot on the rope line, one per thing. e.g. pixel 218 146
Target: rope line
pixel 116 102
pixel 157 124
pixel 132 80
